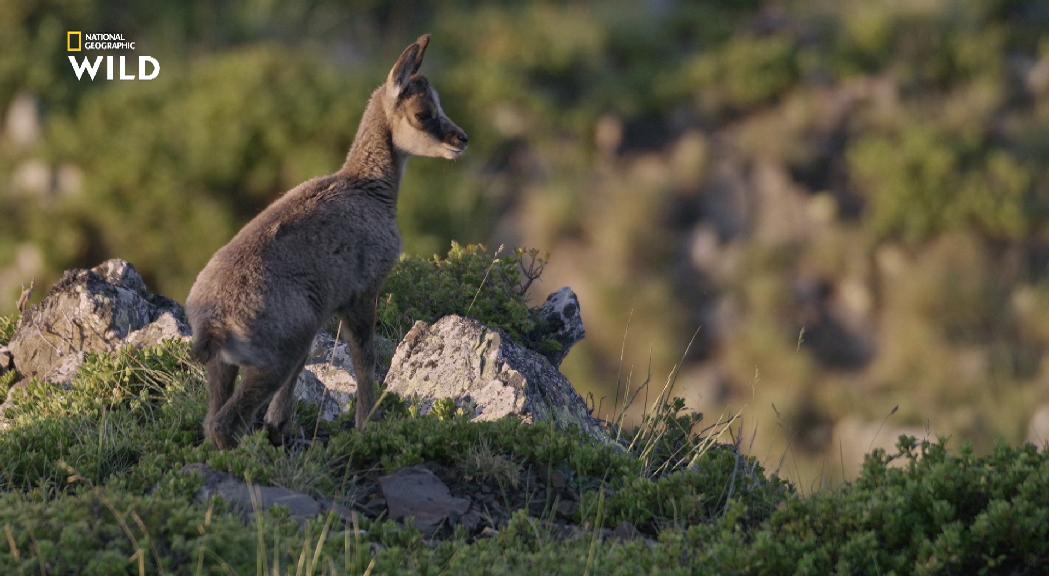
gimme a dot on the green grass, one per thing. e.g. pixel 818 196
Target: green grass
pixel 7 328
pixel 90 483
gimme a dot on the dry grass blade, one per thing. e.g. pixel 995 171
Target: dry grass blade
pixel 495 260
pixel 595 539
pixel 881 425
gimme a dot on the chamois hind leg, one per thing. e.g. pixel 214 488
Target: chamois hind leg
pixel 238 413
pixel 278 413
pixel 221 378
pixel 359 320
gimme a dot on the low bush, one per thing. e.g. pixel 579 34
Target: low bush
pixel 7 328
pixel 470 281
pixel 921 510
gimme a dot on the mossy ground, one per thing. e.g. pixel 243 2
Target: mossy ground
pixel 91 483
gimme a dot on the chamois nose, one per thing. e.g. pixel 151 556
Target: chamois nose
pixel 459 139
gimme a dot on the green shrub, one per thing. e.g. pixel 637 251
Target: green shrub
pixel 7 328
pixel 937 513
pixel 926 182
pixel 743 74
pixel 699 494
pixel 469 281
pixel 6 381
pixel 400 443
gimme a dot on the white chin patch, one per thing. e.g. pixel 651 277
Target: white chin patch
pixel 450 153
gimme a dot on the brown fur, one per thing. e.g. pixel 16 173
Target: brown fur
pixel 325 247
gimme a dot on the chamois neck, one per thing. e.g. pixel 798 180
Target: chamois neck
pixel 372 157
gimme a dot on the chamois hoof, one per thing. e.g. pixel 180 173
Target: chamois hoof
pixel 282 434
pixel 220 438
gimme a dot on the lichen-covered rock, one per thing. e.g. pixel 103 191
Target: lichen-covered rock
pixel 96 310
pixel 561 320
pixel 328 381
pixel 485 373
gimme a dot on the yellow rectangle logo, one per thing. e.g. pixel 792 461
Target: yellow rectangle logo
pixel 70 45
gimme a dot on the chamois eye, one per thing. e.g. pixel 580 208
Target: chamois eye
pixel 422 116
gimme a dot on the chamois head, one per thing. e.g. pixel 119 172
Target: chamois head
pixel 413 110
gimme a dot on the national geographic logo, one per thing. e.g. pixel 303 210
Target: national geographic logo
pixel 115 67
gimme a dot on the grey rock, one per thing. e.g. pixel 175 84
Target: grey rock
pixel 561 319
pixel 485 373
pixel 328 380
pixel 166 326
pixel 238 495
pixel 330 389
pixel 96 310
pixel 419 494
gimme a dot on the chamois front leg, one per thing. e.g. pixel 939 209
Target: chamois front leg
pixel 359 333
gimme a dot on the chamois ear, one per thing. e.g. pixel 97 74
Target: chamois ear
pixel 408 64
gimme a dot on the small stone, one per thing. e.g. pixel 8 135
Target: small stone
pixel 238 495
pixel 419 494
pixel 625 531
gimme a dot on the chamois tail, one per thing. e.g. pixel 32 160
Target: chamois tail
pixel 208 339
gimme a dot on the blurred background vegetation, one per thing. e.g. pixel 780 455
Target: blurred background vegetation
pixel 848 199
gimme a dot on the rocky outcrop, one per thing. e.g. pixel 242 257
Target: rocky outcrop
pixel 481 369
pixel 96 310
pixel 329 382
pixel 486 374
pixel 561 320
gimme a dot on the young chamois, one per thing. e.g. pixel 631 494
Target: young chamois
pixel 324 248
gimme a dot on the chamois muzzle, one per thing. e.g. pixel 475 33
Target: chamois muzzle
pixel 457 138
